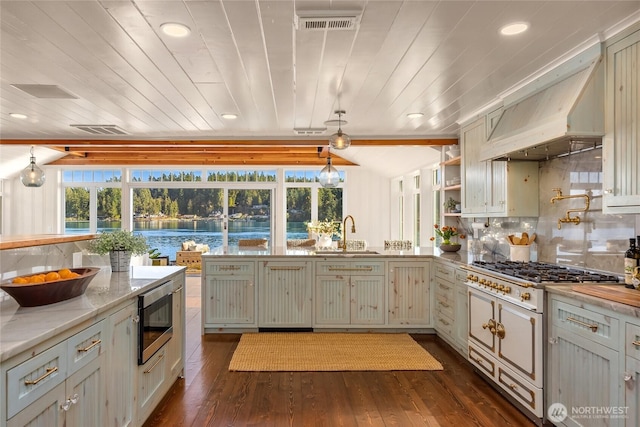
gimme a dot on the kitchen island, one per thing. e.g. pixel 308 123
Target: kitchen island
pixel 75 362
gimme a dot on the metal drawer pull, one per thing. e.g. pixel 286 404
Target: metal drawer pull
pixel 636 343
pixel 443 286
pixel 90 346
pixel 286 268
pixel 513 386
pixel 229 267
pixel 70 401
pixel 444 304
pixel 45 375
pixel 351 269
pixel 444 322
pixel 146 371
pixel 177 290
pixel 593 328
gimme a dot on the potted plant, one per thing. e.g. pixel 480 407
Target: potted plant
pixel 323 231
pixel 120 245
pixel 157 258
pixel 447 233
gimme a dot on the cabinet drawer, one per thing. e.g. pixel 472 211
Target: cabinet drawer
pixel 85 346
pixel 350 267
pixel 35 377
pixel 587 323
pixel 444 271
pixel 632 341
pixel 444 324
pixel 445 306
pixel 461 275
pixel 445 289
pixel 229 268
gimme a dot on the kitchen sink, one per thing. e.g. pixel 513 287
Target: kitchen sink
pixel 341 252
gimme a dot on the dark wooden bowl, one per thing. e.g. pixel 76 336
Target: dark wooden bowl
pixel 36 294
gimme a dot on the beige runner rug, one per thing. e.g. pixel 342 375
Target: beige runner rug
pixel 320 351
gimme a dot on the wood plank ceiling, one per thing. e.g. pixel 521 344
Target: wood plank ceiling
pixel 444 59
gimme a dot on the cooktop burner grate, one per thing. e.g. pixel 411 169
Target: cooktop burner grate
pixel 540 272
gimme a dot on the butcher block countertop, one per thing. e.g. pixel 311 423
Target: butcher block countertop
pixel 613 297
pixel 612 293
pixel 25 241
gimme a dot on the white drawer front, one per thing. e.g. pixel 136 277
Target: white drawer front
pixel 445 306
pixel 229 268
pixel 445 272
pixel 444 324
pixel 445 289
pixel 632 341
pixel 586 323
pixel 34 377
pixel 85 346
pixel 350 267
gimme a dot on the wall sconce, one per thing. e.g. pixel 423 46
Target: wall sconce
pixel 340 140
pixel 32 175
pixel 329 176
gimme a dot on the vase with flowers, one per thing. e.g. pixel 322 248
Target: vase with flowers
pixel 447 233
pixel 323 232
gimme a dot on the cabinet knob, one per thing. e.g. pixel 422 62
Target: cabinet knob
pixel 553 340
pixel 608 191
pixel 135 319
pixel 628 377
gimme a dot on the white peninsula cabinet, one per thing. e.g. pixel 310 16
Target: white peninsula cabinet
pixel 495 188
pixel 621 152
pixel 408 293
pixel 228 295
pixel 349 293
pixel 286 293
pixel 451 302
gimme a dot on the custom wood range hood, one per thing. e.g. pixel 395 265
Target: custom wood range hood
pixel 560 113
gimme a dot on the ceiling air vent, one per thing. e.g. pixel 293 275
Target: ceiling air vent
pixel 45 91
pixel 310 131
pixel 101 129
pixel 327 21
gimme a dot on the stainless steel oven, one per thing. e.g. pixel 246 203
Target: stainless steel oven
pixel 156 320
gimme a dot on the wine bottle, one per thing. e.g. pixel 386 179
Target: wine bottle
pixel 630 263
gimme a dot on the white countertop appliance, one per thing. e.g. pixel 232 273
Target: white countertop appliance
pixel 506 331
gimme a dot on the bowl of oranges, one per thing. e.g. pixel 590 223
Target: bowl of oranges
pixel 49 287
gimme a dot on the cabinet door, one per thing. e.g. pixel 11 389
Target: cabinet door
pixel 229 300
pixel 85 395
pixel 46 411
pixel 583 374
pixel 333 296
pixel 176 346
pixel 621 152
pixel 461 330
pixel 632 391
pixel 474 171
pixel 367 300
pixel 409 293
pixel 151 378
pixel 496 187
pixel 285 294
pixel 121 364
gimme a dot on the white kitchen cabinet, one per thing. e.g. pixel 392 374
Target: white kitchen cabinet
pixel 63 385
pixel 632 372
pixel 444 303
pixel 286 296
pixel 177 343
pixel 151 381
pixel 408 293
pixel 349 293
pixel 121 365
pixel 621 152
pixel 228 295
pixel 495 188
pixel 584 361
pixel 461 330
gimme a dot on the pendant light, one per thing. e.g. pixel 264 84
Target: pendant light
pixel 32 175
pixel 329 176
pixel 340 140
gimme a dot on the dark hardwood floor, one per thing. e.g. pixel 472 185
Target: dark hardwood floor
pixel 210 395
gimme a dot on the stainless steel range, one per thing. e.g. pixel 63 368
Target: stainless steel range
pixel 506 333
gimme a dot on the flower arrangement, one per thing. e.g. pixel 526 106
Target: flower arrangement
pixel 331 228
pixel 447 233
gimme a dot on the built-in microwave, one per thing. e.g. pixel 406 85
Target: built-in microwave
pixel 156 320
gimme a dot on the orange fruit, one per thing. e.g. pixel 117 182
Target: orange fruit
pixel 74 275
pixel 51 276
pixel 38 278
pixel 65 273
pixel 19 281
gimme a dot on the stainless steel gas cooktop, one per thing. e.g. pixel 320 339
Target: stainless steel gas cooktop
pixel 544 273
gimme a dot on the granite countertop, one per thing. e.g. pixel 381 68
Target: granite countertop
pixel 24 327
pixel 617 307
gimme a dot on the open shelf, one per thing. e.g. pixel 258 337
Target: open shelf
pixel 452 214
pixel 453 187
pixel 451 162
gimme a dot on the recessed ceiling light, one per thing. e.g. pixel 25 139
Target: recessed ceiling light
pixel 174 29
pixel 514 28
pixel 229 116
pixel 414 115
pixel 18 115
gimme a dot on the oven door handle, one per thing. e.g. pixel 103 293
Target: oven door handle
pixel 156 294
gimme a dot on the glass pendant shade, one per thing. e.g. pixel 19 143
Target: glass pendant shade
pixel 329 176
pixel 340 140
pixel 32 175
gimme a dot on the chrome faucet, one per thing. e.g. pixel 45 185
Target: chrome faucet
pixel 344 231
